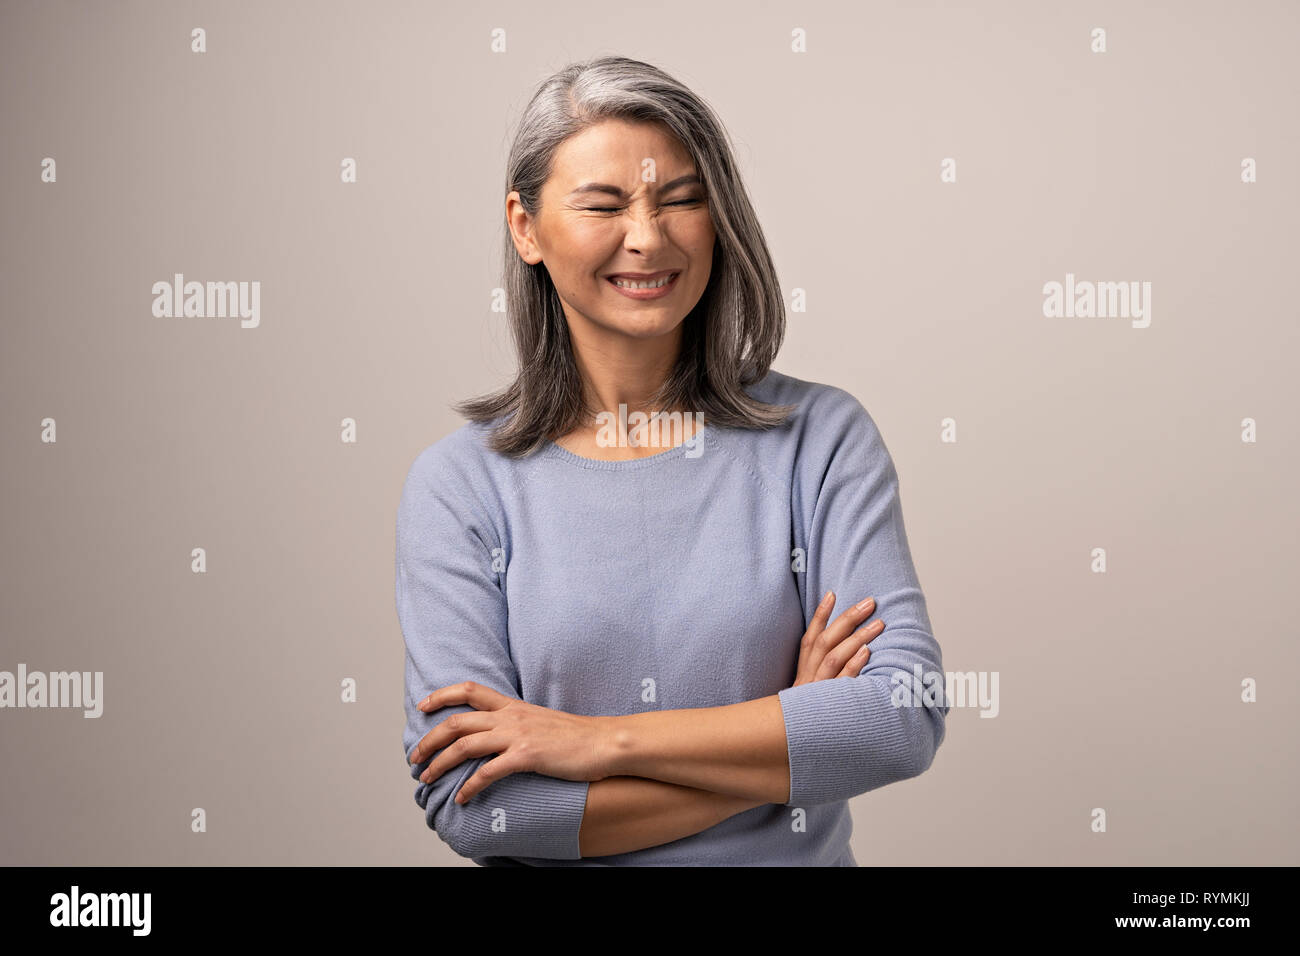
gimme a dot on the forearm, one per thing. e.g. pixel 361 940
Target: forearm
pixel 737 750
pixel 631 813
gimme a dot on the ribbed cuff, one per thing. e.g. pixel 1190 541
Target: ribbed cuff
pixel 524 814
pixel 844 737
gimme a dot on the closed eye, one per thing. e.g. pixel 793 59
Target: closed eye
pixel 680 202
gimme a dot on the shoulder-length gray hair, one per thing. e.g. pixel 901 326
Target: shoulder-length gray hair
pixel 729 339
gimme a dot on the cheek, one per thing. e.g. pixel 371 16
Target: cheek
pixel 578 266
pixel 578 242
pixel 699 245
pixel 699 237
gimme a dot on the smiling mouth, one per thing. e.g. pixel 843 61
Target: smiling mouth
pixel 643 285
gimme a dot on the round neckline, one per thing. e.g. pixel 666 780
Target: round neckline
pixel 601 464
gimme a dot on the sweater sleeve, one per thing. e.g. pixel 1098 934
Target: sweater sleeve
pixel 849 735
pixel 452 610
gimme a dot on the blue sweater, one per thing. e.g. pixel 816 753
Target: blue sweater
pixel 685 579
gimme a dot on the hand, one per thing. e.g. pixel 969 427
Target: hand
pixel 526 737
pixel 838 650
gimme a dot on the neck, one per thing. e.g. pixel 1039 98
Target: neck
pixel 619 370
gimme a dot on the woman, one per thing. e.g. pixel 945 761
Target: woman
pixel 611 580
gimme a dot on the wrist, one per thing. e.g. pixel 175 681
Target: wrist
pixel 615 746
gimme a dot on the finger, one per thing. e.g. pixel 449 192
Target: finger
pixel 811 668
pixel 844 625
pixel 486 775
pixel 840 655
pixel 820 616
pixel 858 661
pixel 457 725
pixel 465 692
pixel 835 660
pixel 458 751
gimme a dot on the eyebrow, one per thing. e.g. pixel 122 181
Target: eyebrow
pixel 616 191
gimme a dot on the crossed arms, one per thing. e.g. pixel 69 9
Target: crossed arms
pixel 653 777
pixel 618 784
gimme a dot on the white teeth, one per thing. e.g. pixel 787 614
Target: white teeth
pixel 630 284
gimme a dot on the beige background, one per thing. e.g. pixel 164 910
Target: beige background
pixel 1119 691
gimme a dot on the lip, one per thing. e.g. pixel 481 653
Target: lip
pixel 642 276
pixel 645 277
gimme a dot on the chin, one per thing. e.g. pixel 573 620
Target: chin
pixel 647 327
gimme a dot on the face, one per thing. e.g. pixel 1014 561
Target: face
pixel 600 217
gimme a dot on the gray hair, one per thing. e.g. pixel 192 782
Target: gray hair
pixel 729 339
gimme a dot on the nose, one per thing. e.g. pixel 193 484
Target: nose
pixel 644 234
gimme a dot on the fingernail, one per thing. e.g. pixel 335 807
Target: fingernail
pixel 826 597
pixel 863 605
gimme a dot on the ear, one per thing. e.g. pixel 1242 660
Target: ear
pixel 520 224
